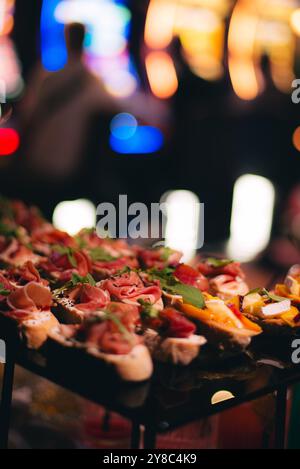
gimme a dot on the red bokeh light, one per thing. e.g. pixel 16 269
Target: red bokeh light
pixel 9 141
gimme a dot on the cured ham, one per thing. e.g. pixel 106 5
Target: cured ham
pixel 29 307
pixel 61 265
pixel 211 269
pixel 25 273
pixel 104 269
pixel 227 286
pixel 16 254
pixel 158 257
pixel 32 297
pixel 188 275
pixel 129 288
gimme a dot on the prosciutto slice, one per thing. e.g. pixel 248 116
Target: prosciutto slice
pixel 113 336
pixel 129 288
pixel 188 275
pixel 5 285
pixel 233 268
pixel 104 269
pixel 60 267
pixel 17 254
pixel 24 274
pixel 89 298
pixel 33 297
pixel 227 286
pixel 158 258
pixel 43 238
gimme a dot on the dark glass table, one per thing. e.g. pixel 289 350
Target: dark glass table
pixel 174 396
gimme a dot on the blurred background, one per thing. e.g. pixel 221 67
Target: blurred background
pixel 153 97
pixel 184 101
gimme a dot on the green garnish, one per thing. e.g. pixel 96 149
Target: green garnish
pixel 3 290
pixel 166 253
pixel 8 231
pixel 214 262
pixel 148 310
pixel 108 316
pixel 100 255
pixel 76 278
pixel 265 292
pixel 170 284
pixel 65 250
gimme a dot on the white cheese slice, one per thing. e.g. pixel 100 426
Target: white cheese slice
pixel 275 309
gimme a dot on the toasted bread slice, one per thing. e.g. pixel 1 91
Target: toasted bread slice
pixel 179 351
pixel 135 366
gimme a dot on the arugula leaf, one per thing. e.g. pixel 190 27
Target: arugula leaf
pixel 99 254
pixel 214 262
pixel 3 290
pixel 265 292
pixel 108 316
pixel 190 295
pixel 254 290
pixel 65 250
pixel 148 310
pixel 166 253
pixel 8 231
pixel 76 278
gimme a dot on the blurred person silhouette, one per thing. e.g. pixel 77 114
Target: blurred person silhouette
pixel 56 125
pixel 65 116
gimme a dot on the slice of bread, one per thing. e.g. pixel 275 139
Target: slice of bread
pixel 179 351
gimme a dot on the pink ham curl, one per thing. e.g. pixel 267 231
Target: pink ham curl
pixel 129 288
pixel 227 286
pixel 32 297
pixel 89 298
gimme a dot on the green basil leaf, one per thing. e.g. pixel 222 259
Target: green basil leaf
pixel 148 310
pixel 254 290
pixel 76 278
pixel 190 295
pixel 3 290
pixel 265 292
pixel 214 262
pixel 100 255
pixel 166 253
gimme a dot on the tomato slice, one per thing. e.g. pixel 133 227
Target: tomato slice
pixel 186 274
pixel 175 324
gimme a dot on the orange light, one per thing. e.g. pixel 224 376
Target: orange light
pixel 296 138
pixel 161 74
pixel 159 24
pixel 241 46
pixel 295 21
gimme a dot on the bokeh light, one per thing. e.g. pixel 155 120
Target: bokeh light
pixel 295 21
pixel 251 217
pixel 161 74
pixel 182 225
pixel 9 141
pixel 296 138
pixel 73 215
pixel 123 126
pixel 106 47
pixel 144 140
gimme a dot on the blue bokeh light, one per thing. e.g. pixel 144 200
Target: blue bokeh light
pixel 53 48
pixel 145 140
pixel 123 126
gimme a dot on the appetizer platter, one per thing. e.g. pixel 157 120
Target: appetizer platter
pixel 126 308
pixel 137 330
